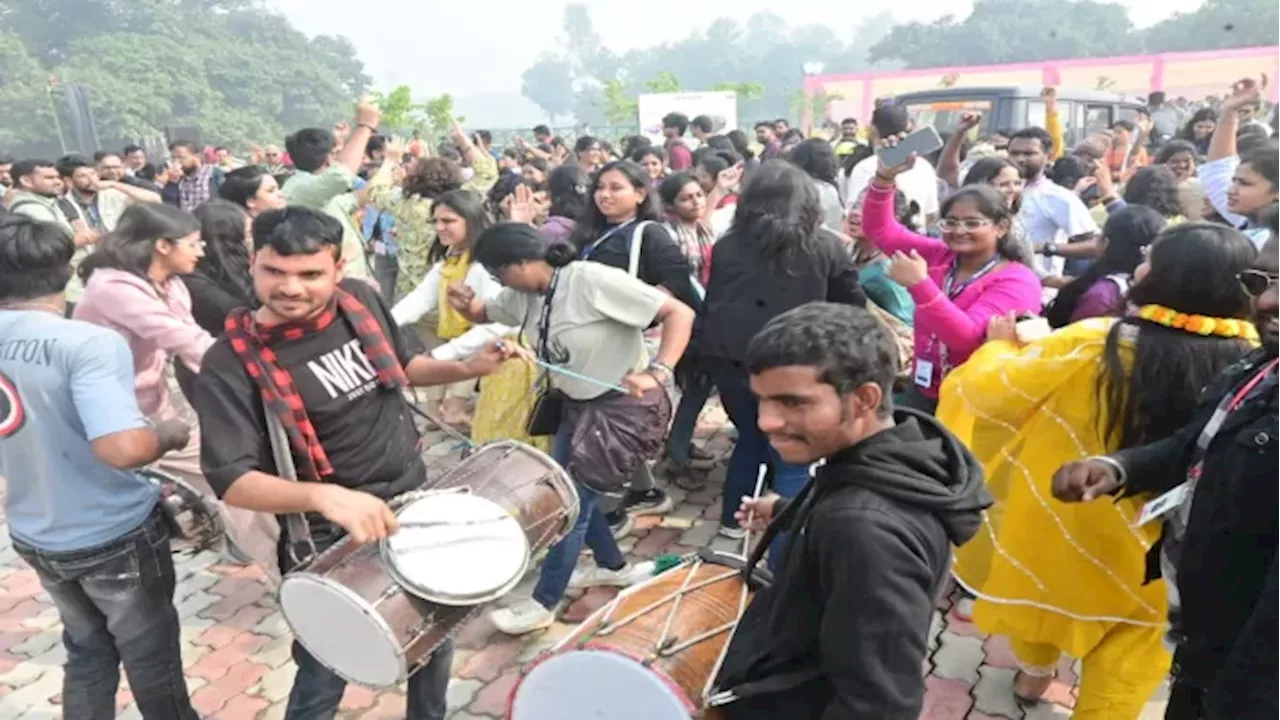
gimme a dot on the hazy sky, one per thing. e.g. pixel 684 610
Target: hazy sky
pixel 481 47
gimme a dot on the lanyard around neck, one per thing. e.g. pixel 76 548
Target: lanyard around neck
pixel 590 250
pixel 949 283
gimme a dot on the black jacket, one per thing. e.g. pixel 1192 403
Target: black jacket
pixel 1226 573
pixel 843 631
pixel 746 291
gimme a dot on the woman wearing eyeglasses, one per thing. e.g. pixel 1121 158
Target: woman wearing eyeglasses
pixel 958 283
pixel 1068 578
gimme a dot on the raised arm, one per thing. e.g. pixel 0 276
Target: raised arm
pixel 351 156
pixel 880 224
pixel 949 161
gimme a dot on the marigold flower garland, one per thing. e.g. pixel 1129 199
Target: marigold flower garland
pixel 1199 324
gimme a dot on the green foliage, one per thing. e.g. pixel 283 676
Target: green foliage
pixel 23 95
pixel 1217 24
pixel 619 107
pixel 762 60
pixel 1006 31
pixel 398 109
pixel 747 91
pixel 240 73
pixel 665 82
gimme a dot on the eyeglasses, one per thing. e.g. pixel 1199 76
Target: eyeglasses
pixel 951 225
pixel 1256 282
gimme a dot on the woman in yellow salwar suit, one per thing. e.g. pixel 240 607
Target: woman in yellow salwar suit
pixel 1069 578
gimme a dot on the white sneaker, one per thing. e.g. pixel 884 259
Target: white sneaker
pixel 594 576
pixel 523 617
pixel 733 533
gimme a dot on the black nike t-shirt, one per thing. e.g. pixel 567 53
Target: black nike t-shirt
pixel 365 429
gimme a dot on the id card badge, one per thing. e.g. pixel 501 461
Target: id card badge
pixel 924 373
pixel 1164 504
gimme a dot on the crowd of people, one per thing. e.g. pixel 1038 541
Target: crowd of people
pixel 1002 368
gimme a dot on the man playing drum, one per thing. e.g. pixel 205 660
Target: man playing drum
pixel 325 359
pixel 842 632
pixel 70 433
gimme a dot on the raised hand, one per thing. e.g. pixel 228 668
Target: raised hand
pixel 908 270
pixel 885 172
pixel 368 112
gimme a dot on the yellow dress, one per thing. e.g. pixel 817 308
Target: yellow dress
pixel 1056 577
pixel 505 402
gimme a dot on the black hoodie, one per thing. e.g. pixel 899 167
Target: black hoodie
pixel 843 631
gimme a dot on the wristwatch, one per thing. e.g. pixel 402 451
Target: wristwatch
pixel 1050 249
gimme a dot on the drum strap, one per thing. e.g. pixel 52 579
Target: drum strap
pixel 297 531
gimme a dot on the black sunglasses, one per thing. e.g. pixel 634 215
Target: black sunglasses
pixel 1256 282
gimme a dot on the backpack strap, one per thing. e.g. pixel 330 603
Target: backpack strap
pixel 637 243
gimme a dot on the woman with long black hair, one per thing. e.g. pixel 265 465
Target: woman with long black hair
pixel 132 286
pixel 568 188
pixel 818 159
pixel 1067 578
pixel 1199 129
pixel 775 257
pixel 221 281
pixel 1100 289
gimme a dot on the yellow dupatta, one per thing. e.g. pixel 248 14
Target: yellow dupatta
pixel 453 269
pixel 1046 571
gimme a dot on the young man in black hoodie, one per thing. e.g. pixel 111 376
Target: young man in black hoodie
pixel 842 632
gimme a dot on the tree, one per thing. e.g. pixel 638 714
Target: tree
pixel 665 82
pixel 619 108
pixel 745 91
pixel 22 94
pixel 398 109
pixel 1217 24
pixel 247 76
pixel 549 83
pixel 1004 31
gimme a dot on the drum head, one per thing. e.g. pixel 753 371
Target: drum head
pixel 591 684
pixel 341 631
pixel 464 549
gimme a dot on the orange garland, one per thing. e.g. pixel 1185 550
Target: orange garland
pixel 1202 325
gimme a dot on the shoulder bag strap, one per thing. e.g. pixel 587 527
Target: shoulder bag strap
pixel 296 527
pixel 637 243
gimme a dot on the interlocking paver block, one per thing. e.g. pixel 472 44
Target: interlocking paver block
pixel 958 658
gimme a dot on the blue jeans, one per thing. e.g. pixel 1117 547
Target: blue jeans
pixel 752 451
pixel 591 528
pixel 317 691
pixel 116 606
pixel 686 419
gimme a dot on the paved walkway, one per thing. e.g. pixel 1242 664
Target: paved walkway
pixel 236 646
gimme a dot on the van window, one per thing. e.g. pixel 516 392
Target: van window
pixel 944 116
pixel 1096 118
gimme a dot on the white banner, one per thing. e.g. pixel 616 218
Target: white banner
pixel 721 107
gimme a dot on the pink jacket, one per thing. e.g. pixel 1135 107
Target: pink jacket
pixel 947 331
pixel 156 327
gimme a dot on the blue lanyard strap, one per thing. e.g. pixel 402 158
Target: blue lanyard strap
pixel 590 250
pixel 948 283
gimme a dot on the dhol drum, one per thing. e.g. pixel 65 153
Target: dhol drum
pixel 355 607
pixel 194 526
pixel 474 536
pixel 651 654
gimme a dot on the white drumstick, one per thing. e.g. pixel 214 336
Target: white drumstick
pixel 751 515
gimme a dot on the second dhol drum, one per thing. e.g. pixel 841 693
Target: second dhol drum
pixel 651 654
pixel 373 614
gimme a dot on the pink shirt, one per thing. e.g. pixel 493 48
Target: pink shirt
pixel 156 326
pixel 947 330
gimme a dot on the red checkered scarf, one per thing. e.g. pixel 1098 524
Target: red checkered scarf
pixel 251 343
